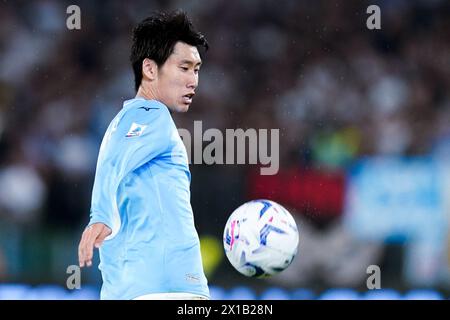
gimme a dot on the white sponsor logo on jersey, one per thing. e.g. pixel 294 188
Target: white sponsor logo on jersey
pixel 136 130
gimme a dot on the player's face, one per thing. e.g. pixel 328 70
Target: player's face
pixel 178 77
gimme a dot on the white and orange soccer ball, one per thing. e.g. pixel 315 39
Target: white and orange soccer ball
pixel 260 238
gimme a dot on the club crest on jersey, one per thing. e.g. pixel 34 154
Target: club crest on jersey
pixel 136 130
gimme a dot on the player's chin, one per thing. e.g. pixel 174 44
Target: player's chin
pixel 182 107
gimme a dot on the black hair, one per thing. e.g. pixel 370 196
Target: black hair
pixel 156 36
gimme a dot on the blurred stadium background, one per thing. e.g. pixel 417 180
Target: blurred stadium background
pixel 364 119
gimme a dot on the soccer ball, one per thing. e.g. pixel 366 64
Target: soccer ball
pixel 260 238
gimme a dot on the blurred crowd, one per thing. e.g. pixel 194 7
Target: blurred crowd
pixel 336 90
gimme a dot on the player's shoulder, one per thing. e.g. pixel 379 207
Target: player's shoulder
pixel 143 104
pixel 145 110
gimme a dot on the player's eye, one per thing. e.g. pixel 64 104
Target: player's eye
pixel 196 70
pixel 184 68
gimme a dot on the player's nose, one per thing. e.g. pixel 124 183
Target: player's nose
pixel 192 82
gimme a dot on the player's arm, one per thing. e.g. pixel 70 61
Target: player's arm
pixel 125 152
pixel 93 236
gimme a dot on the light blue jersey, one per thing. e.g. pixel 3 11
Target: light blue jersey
pixel 141 191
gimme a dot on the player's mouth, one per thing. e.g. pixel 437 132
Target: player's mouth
pixel 187 98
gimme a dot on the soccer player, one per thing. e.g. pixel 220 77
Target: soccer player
pixel 141 217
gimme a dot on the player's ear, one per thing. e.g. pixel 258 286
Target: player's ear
pixel 149 69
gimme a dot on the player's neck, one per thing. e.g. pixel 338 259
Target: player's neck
pixel 145 94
